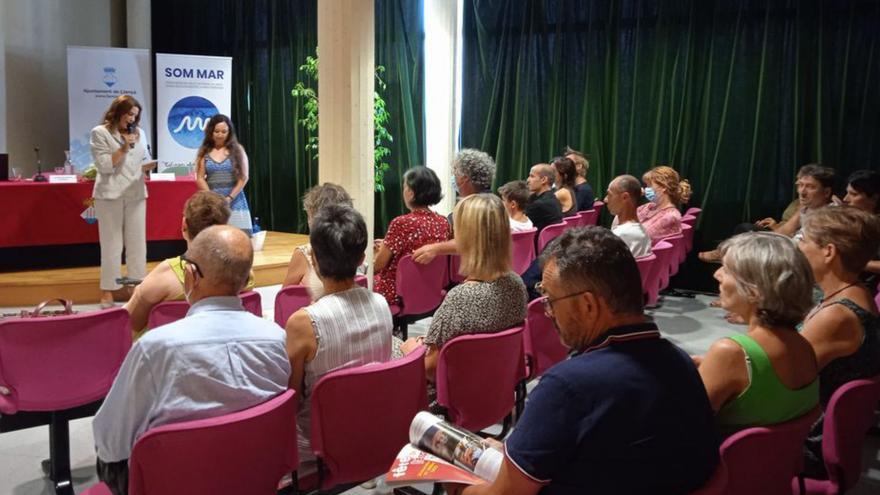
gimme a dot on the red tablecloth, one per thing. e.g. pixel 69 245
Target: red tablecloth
pixel 42 214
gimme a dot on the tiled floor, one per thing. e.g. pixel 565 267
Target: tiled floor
pixel 690 323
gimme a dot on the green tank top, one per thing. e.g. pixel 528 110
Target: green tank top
pixel 766 400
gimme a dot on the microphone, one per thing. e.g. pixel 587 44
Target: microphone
pixel 131 131
pixel 39 177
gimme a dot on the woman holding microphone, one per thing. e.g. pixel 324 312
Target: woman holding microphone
pixel 119 149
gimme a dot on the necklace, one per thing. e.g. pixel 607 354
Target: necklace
pixel 838 291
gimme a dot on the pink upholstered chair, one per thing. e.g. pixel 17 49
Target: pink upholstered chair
pixel 549 233
pixel 360 417
pixel 421 289
pixel 478 378
pixel 243 452
pixel 678 248
pixel 541 342
pixel 598 205
pixel 588 217
pixel 849 415
pixel 292 298
pixel 687 233
pixel 57 369
pixel 170 311
pixel 572 222
pixel 659 278
pixel 689 219
pixel 523 247
pixel 646 269
pixel 694 212
pixel 764 459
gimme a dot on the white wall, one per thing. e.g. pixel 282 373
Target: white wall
pixel 36 34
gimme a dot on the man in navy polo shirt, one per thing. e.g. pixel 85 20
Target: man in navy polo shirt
pixel 628 412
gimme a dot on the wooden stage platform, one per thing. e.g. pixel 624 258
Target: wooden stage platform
pixel 80 285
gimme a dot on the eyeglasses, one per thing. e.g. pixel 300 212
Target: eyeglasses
pixel 186 261
pixel 548 303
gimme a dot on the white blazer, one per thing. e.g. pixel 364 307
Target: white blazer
pixel 127 178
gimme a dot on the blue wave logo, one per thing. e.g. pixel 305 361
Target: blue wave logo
pixel 188 118
pixel 110 76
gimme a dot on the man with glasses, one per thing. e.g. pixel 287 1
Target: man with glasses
pixel 627 413
pixel 219 359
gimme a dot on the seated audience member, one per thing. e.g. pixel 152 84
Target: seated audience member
pixel 666 192
pixel 815 188
pixel 844 328
pixel 165 282
pixel 515 195
pixel 767 375
pixel 406 233
pixel 473 172
pixel 565 182
pixel 218 360
pixel 300 270
pixel 627 413
pixel 863 192
pixel 582 189
pixel 622 201
pixel 348 326
pixel 543 208
pixel 492 297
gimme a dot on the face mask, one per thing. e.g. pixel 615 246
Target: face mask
pixel 650 195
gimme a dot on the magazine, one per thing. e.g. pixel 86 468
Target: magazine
pixel 443 453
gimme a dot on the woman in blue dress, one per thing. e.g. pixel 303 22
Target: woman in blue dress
pixel 222 167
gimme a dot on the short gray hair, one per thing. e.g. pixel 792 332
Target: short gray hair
pixel 771 270
pixel 630 185
pixel 477 166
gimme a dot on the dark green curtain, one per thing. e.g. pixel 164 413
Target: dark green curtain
pixel 269 40
pixel 400 40
pixel 736 95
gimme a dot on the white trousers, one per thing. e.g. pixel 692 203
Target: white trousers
pixel 122 220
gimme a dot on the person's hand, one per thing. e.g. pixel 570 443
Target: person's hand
pixel 377 245
pixel 767 223
pixel 130 139
pixel 492 443
pixel 228 200
pixel 425 254
pixel 411 344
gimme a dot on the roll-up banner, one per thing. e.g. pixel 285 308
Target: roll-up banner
pixel 190 89
pixel 95 76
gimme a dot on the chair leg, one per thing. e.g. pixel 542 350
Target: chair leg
pixel 59 455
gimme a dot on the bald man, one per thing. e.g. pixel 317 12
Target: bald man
pixel 543 209
pixel 217 360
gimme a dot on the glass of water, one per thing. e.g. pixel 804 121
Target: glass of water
pixel 15 173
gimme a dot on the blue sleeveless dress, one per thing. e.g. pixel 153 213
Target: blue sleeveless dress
pixel 221 180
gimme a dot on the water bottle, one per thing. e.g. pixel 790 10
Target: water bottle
pixel 68 165
pixel 256 225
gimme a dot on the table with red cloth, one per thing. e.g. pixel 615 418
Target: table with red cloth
pixel 44 214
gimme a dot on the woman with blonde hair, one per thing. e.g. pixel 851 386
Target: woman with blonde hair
pixel 665 191
pixel 492 297
pixel 121 154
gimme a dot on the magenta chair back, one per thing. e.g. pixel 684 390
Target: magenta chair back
pixel 689 219
pixel 523 247
pixel 541 342
pixel 588 217
pixel 360 417
pixel 247 451
pixel 454 266
pixel 694 212
pixel 678 250
pixel 170 311
pixel 598 205
pixel 646 265
pixel 421 287
pixel 764 459
pixel 549 233
pixel 469 362
pixel 60 364
pixel 292 298
pixel 848 416
pixel 659 278
pixel 687 234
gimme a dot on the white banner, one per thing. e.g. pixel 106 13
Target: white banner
pixel 190 89
pixel 95 76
